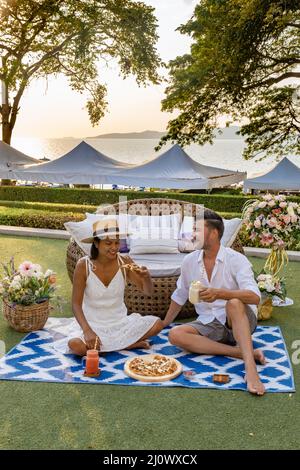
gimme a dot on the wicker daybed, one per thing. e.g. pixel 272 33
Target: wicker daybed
pixel 135 300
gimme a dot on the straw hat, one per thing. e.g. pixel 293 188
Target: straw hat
pixel 105 228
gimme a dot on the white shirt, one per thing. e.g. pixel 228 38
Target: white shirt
pixel 232 271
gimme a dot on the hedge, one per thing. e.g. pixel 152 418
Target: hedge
pixel 95 197
pixel 37 219
pixel 48 206
pixel 48 219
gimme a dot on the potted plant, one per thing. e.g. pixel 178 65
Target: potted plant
pixel 270 286
pixel 25 293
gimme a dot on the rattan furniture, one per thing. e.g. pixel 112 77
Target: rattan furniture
pixel 26 318
pixel 135 300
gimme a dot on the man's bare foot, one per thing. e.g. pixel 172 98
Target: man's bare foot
pixel 259 356
pixel 140 345
pixel 254 384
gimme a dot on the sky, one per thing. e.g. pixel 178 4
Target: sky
pixel 50 109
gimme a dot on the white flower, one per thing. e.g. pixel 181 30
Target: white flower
pixel 269 287
pixel 261 277
pixel 48 273
pixel 290 210
pixel 262 204
pixel 271 203
pixel 15 285
pixel 283 204
pixel 17 278
pixel 257 223
pixel 280 197
pixel 268 197
pixel 36 268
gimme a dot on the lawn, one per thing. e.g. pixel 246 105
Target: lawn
pixel 67 416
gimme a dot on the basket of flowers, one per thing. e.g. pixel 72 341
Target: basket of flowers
pixel 25 293
pixel 270 286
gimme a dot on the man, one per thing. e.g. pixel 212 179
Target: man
pixel 227 308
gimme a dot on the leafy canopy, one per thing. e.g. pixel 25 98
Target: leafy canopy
pixel 242 52
pixel 39 38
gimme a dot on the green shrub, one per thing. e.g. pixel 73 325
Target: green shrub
pixel 36 219
pixel 48 206
pixel 95 197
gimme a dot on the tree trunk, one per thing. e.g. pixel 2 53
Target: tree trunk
pixel 6 127
pixel 6 136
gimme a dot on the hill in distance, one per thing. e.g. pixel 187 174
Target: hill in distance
pixel 227 133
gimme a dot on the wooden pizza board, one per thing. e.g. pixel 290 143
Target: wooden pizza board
pixel 146 378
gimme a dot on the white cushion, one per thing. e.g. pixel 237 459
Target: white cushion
pixel 154 226
pixel 231 229
pixel 140 246
pixel 161 265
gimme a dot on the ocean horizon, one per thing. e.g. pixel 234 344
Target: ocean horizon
pixel 223 153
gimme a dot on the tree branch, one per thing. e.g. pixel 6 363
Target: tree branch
pixel 272 81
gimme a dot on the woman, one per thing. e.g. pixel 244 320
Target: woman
pixel 98 297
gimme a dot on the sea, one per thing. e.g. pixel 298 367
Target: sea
pixel 223 153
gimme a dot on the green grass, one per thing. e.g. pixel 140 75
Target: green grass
pixel 66 416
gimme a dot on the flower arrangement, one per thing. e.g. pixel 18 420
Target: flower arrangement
pixel 27 284
pixel 271 286
pixel 273 222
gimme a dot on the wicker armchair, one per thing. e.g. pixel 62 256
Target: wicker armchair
pixel 135 300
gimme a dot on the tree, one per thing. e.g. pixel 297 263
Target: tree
pixel 242 52
pixel 39 38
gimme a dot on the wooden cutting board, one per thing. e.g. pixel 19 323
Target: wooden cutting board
pixel 147 378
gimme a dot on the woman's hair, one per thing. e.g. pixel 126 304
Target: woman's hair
pixel 214 220
pixel 94 249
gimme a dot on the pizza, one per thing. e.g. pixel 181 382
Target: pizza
pixel 157 366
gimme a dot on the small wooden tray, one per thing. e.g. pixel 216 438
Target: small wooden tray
pixel 147 378
pixel 221 378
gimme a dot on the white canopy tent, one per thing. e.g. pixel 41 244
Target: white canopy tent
pixel 175 169
pixel 11 159
pixel 82 165
pixel 285 176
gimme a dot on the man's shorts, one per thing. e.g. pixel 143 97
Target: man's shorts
pixel 216 331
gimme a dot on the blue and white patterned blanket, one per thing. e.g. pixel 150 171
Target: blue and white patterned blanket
pixel 35 359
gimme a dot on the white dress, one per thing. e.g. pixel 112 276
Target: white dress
pixel 106 313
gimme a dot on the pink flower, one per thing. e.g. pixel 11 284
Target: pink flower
pixel 283 204
pixel 276 211
pixel 272 222
pixel 286 219
pixel 294 219
pixel 267 239
pixel 25 268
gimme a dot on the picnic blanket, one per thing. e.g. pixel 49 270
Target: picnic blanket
pixel 36 359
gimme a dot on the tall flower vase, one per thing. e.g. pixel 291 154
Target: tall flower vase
pixel 265 308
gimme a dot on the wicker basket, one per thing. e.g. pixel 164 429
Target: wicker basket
pixel 26 318
pixel 135 300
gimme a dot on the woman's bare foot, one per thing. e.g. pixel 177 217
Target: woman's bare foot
pixel 259 356
pixel 254 384
pixel 144 344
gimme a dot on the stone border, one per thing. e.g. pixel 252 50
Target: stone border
pixel 64 235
